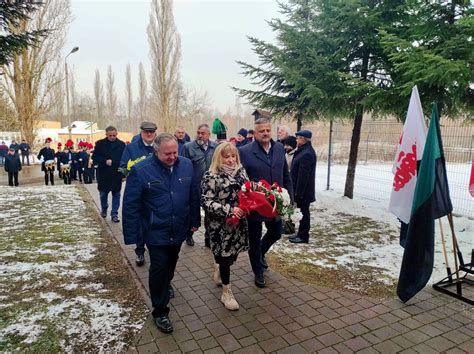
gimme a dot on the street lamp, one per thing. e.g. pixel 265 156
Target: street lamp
pixel 73 50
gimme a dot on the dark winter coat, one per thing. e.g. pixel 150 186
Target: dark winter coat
pixel 65 157
pixel 181 144
pixel 108 177
pixel 134 151
pixel 46 154
pixel 303 172
pixel 218 198
pixel 242 143
pixel 200 158
pixel 271 167
pixel 3 150
pixel 159 202
pixel 12 163
pixel 16 147
pixel 25 148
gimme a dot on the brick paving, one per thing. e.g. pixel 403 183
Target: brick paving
pixel 292 317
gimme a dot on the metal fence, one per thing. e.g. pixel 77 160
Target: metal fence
pixel 376 154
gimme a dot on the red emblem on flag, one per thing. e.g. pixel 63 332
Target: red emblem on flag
pixel 406 168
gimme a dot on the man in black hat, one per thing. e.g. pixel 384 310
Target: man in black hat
pixel 303 172
pixel 140 147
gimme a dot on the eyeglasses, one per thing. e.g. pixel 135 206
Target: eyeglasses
pixel 149 131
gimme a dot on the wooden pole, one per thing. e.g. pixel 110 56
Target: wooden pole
pixel 445 253
pixel 455 251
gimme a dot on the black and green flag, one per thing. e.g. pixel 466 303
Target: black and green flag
pixel 430 201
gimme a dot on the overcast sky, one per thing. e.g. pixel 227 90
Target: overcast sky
pixel 213 34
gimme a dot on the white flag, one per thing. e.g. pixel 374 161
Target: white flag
pixel 410 150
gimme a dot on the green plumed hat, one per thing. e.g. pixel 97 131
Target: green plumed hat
pixel 218 127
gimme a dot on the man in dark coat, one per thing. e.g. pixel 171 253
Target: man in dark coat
pixel 47 166
pixel 15 146
pixel 3 152
pixel 200 152
pixel 160 202
pixel 303 171
pixel 107 155
pixel 12 166
pixel 25 152
pixel 264 159
pixel 242 138
pixel 135 150
pixel 180 135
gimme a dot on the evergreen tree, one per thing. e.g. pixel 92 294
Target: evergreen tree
pixel 12 39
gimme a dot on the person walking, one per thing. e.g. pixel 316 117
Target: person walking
pixel 303 172
pixel 107 155
pixel 161 203
pixel 3 152
pixel 46 154
pixel 142 147
pixel 200 152
pixel 12 167
pixel 264 159
pixel 219 199
pixel 25 152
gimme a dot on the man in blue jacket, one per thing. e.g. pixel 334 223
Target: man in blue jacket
pixel 161 203
pixel 139 148
pixel 303 171
pixel 264 159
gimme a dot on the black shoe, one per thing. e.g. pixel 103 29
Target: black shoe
pixel 171 290
pixel 190 241
pixel 264 262
pixel 115 219
pixel 298 239
pixel 260 280
pixel 103 214
pixel 207 243
pixel 140 260
pixel 292 237
pixel 164 324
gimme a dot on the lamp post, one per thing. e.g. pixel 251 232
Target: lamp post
pixel 73 50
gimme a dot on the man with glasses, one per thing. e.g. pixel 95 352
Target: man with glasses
pixel 139 148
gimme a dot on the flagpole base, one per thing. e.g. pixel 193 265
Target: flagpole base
pixel 462 288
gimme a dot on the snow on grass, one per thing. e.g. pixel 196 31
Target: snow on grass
pixel 354 234
pixel 51 299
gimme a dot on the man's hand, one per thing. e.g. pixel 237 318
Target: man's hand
pixel 108 162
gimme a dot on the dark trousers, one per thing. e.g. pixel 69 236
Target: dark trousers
pixel 163 261
pixel 67 177
pixel 303 230
pixel 259 245
pixel 79 172
pixel 88 172
pixel 27 156
pixel 140 245
pixel 49 176
pixel 12 178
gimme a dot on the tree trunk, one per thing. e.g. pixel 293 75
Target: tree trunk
pixel 355 139
pixel 299 121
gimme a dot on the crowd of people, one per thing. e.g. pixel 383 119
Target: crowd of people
pixel 169 178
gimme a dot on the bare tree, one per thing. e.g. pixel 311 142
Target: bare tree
pixel 128 96
pixel 111 96
pixel 142 94
pixel 194 106
pixel 165 54
pixel 32 76
pixel 99 99
pixel 58 98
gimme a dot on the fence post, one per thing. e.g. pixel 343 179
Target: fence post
pixel 329 156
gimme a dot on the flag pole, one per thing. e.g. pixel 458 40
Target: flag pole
pixel 461 260
pixel 445 253
pixel 455 251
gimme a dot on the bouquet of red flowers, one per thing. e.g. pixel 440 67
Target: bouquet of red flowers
pixel 267 200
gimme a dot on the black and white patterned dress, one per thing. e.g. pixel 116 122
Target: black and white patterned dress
pixel 218 198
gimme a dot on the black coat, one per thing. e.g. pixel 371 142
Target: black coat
pixel 46 154
pixel 108 177
pixel 12 163
pixel 303 172
pixel 259 166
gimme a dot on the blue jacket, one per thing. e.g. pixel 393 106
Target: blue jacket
pixel 25 148
pixel 159 203
pixel 271 167
pixel 65 157
pixel 303 172
pixel 181 146
pixel 135 150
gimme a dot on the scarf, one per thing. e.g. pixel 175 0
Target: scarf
pixel 231 171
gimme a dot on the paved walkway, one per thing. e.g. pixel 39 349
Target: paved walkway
pixel 292 317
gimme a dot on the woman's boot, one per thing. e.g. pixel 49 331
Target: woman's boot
pixel 217 275
pixel 228 298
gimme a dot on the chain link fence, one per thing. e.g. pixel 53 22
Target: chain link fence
pixel 376 154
